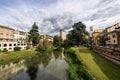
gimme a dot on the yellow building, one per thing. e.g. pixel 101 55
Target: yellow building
pixel 95 35
pixel 48 37
pixel 112 35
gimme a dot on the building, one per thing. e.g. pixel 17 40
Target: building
pixel 118 36
pixel 91 30
pixel 95 35
pixel 48 37
pixel 21 38
pixel 6 38
pixel 112 35
pixel 10 38
pixel 63 35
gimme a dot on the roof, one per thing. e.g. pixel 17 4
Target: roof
pixel 6 27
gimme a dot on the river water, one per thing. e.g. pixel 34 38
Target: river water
pixel 46 66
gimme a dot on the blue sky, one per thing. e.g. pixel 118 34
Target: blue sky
pixel 53 15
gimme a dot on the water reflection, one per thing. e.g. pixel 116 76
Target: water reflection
pixel 43 67
pixel 9 70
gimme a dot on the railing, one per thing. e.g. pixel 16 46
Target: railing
pixel 113 53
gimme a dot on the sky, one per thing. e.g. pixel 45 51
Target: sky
pixel 53 15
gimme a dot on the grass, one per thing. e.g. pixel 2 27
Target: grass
pixel 76 70
pixel 98 66
pixel 7 57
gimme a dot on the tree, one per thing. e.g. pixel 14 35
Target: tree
pixel 102 40
pixel 34 35
pixel 44 45
pixel 57 41
pixel 77 35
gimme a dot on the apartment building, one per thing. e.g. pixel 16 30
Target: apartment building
pixel 6 38
pixel 63 35
pixel 118 36
pixel 112 35
pixel 95 36
pixel 48 37
pixel 21 38
pixel 10 38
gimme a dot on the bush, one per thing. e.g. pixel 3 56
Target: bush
pixel 27 47
pixel 17 48
pixel 76 70
pixel 5 50
pixel 45 45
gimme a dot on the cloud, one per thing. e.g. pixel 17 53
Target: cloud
pixel 53 15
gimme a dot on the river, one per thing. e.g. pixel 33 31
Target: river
pixel 47 66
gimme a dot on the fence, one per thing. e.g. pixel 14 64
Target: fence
pixel 112 53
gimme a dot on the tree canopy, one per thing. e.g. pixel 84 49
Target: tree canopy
pixel 34 35
pixel 77 35
pixel 57 41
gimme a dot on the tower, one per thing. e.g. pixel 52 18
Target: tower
pixel 91 30
pixel 63 34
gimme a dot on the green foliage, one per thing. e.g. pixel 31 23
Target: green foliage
pixel 34 35
pixel 102 40
pixel 44 45
pixel 5 50
pixel 57 41
pixel 17 48
pixel 77 35
pixel 27 47
pixel 94 63
pixel 66 44
pixel 15 56
pixel 76 70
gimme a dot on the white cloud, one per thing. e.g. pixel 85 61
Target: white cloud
pixel 60 14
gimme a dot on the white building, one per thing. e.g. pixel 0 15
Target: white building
pixel 63 34
pixel 21 38
pixel 10 38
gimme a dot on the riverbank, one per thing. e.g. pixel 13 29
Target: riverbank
pixel 6 57
pixel 98 66
pixel 76 70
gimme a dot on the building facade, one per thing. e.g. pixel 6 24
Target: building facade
pixel 9 38
pixel 63 35
pixel 48 37
pixel 21 38
pixel 95 35
pixel 112 35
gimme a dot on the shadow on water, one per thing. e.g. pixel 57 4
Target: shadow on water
pixel 47 66
pixel 110 69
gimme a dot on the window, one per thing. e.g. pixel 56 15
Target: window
pixel 10 48
pixel 10 44
pixel 14 44
pixel 114 36
pixel 5 49
pixel 0 45
pixel 5 45
pixel 6 39
pixel 114 41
